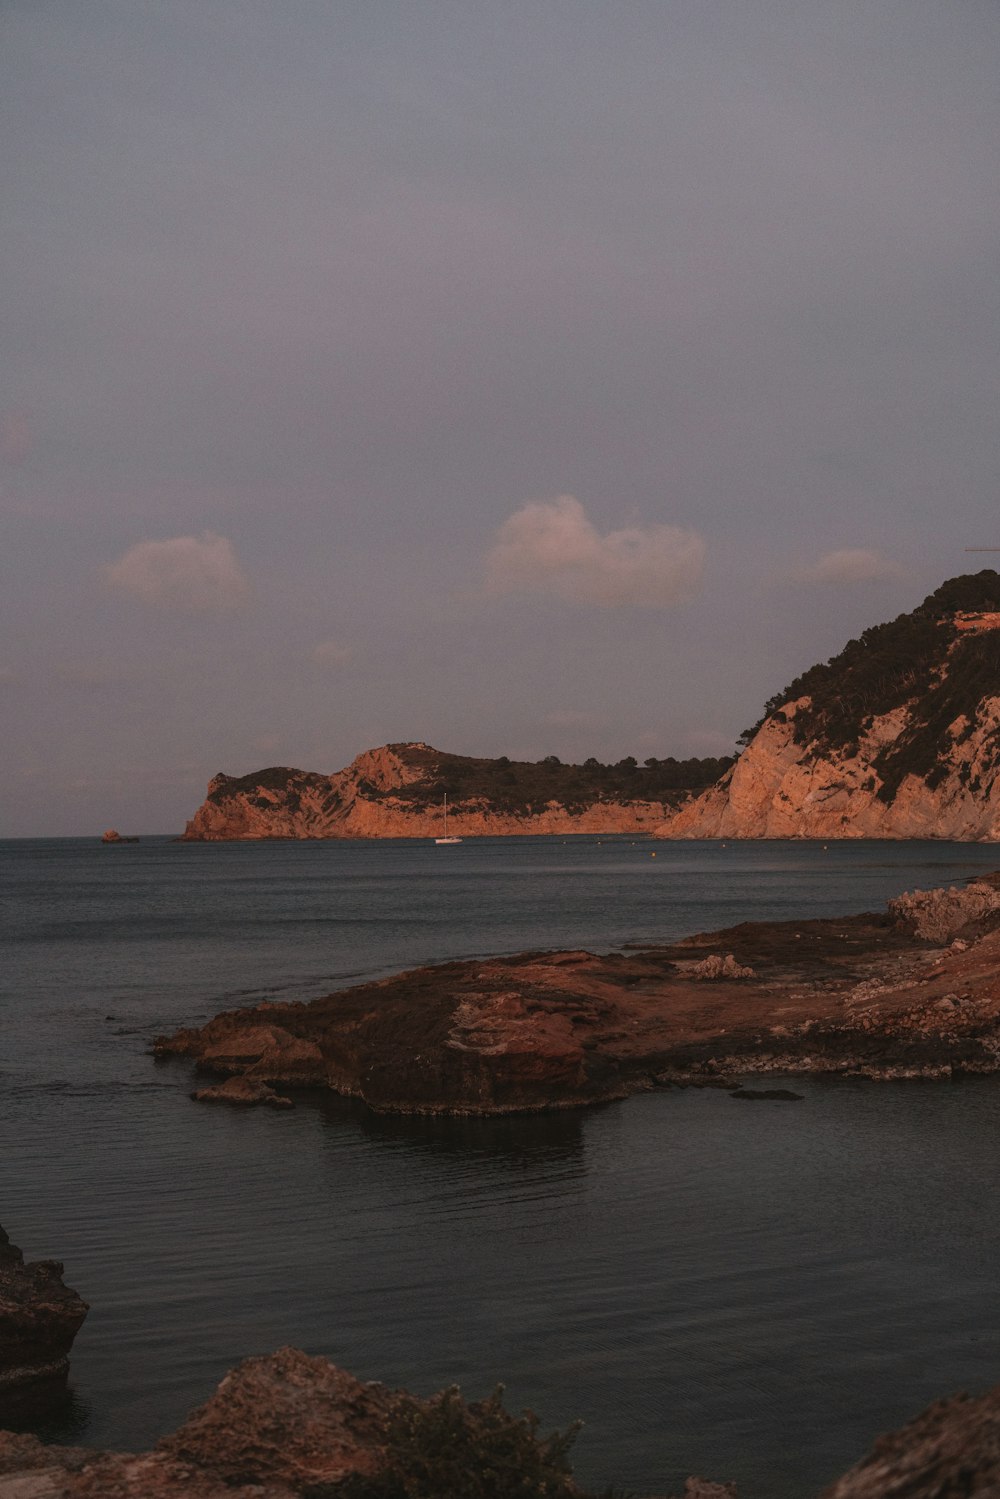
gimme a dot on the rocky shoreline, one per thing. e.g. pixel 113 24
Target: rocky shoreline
pixel 912 992
pixel 290 1426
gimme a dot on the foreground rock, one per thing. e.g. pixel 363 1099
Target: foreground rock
pixel 39 1318
pixel 287 1426
pixel 398 790
pixel 952 1449
pixel 896 737
pixel 290 1425
pixel 864 994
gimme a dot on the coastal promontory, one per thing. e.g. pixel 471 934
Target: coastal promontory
pixel 897 736
pixel 400 791
pixel 912 991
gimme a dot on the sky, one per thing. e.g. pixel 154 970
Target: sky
pixel 526 377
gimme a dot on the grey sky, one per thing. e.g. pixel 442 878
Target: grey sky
pixel 325 294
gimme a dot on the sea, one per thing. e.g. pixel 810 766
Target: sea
pixel 748 1291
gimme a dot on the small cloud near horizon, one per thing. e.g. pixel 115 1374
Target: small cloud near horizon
pixel 190 574
pixel 330 653
pixel 849 565
pixel 551 547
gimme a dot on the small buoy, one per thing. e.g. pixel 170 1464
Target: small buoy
pixel 652 856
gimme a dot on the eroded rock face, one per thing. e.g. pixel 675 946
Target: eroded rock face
pixel 941 915
pixel 952 1449
pixel 369 799
pixel 868 995
pixel 278 1426
pixel 897 736
pixel 39 1318
pixel 780 788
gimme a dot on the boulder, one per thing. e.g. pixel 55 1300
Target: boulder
pixel 39 1318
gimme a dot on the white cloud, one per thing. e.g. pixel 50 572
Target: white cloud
pixel 851 565
pixel 194 574
pixel 550 547
pixel 330 653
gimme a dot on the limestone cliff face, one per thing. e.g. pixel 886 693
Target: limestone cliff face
pixel 779 788
pixel 897 737
pixel 397 791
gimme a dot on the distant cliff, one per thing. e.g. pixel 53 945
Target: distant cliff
pixel 398 791
pixel 898 736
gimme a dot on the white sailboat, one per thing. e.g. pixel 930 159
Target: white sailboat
pixel 447 838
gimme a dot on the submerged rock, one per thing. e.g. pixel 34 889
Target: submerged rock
pixel 39 1318
pixel 242 1090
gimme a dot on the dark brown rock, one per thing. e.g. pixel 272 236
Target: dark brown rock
pixel 287 1425
pixel 39 1318
pixel 862 994
pixel 952 1449
pixel 243 1090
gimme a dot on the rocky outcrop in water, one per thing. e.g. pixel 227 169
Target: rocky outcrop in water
pixel 866 995
pixel 398 791
pixel 896 737
pixel 39 1318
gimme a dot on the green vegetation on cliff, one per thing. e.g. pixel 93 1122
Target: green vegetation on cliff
pixel 921 660
pixel 517 786
pixel 506 786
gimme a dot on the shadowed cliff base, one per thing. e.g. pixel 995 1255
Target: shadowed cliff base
pixel 912 992
pixel 288 1426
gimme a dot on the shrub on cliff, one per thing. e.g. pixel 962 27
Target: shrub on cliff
pixel 446 1449
pixel 918 660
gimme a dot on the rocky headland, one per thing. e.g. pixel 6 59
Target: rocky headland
pixel 398 791
pixel 39 1318
pixel 288 1426
pixel 913 991
pixel 898 736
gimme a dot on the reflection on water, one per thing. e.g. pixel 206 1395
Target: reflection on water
pixel 514 1142
pixel 749 1292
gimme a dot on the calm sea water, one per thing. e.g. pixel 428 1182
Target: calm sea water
pixel 748 1291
